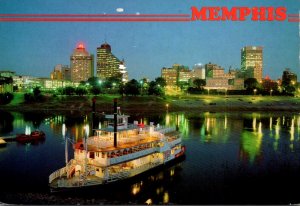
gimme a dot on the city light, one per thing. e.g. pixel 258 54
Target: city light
pixel 80 46
pixel 87 130
pixel 63 130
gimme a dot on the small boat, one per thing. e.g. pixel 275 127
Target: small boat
pixel 117 152
pixel 33 136
pixel 2 142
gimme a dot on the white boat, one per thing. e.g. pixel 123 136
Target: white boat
pixel 117 152
pixel 2 142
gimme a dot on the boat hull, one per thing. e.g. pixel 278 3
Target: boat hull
pixel 34 136
pixel 130 179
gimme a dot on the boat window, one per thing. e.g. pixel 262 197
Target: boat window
pixel 119 153
pixel 113 154
pixel 92 155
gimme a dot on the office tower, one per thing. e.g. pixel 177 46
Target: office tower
pixel 252 62
pixel 61 72
pixel 170 75
pixel 81 64
pixel 108 65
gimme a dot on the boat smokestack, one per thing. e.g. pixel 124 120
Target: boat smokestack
pixel 93 112
pixel 115 121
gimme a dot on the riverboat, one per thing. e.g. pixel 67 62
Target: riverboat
pixel 2 142
pixel 117 152
pixel 33 136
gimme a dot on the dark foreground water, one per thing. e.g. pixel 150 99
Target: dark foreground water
pixel 231 158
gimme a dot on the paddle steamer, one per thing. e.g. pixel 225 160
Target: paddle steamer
pixel 117 152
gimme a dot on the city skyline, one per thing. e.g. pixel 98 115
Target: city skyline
pixel 34 48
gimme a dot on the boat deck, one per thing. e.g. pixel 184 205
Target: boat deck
pixel 99 144
pixel 64 182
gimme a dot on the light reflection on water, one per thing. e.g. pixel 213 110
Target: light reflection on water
pixel 229 155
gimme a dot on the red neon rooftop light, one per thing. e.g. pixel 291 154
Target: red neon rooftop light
pixel 80 46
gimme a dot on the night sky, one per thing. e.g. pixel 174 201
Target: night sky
pixel 34 48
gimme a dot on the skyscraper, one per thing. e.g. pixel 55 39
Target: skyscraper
pixel 108 65
pixel 82 67
pixel 252 62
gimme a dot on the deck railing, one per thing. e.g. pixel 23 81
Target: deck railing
pixel 132 155
pixel 61 171
pixel 57 173
pixel 175 142
pixel 130 173
pixel 164 130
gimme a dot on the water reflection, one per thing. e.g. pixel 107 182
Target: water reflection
pixel 250 128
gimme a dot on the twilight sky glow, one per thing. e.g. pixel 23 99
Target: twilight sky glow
pixel 34 48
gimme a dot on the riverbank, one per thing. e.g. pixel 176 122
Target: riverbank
pixel 152 104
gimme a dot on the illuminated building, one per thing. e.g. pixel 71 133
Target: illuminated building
pixel 61 72
pixel 216 83
pixel 26 83
pixel 184 75
pixel 216 78
pixel 178 73
pixel 252 62
pixel 124 74
pixel 224 83
pixel 213 70
pixel 81 64
pixel 108 65
pixel 288 77
pixel 50 84
pixel 170 75
pixel 198 72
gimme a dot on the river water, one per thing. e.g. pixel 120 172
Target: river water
pixel 231 158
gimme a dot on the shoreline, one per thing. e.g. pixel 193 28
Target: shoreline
pixel 148 104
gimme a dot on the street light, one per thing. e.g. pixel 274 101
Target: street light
pixel 141 82
pixel 254 90
pixel 271 92
pixel 167 105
